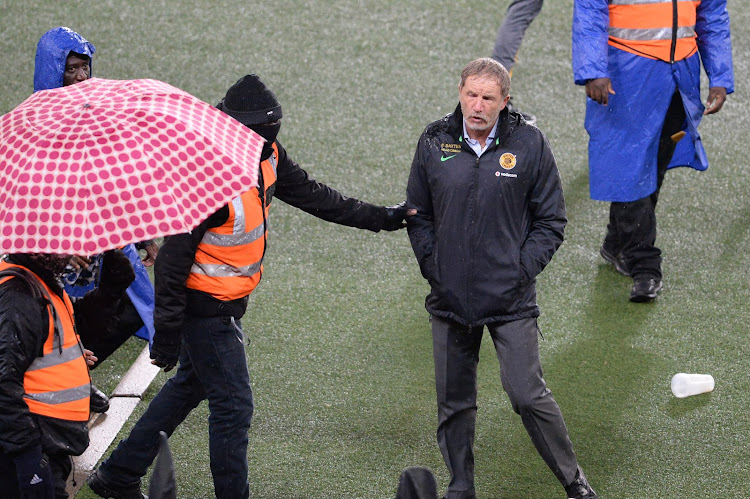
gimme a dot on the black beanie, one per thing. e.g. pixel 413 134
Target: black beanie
pixel 251 102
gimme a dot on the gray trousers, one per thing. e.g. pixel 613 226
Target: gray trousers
pixel 456 354
pixel 517 18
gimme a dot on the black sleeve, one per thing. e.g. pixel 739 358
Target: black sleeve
pixel 295 187
pixel 171 271
pixel 421 227
pixel 548 218
pixel 94 313
pixel 23 331
pixel 96 310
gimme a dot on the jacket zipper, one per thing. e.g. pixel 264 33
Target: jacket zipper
pixel 674 32
pixel 469 300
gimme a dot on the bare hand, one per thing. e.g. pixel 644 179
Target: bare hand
pixel 90 357
pixel 716 98
pixel 599 90
pixel 151 251
pixel 79 262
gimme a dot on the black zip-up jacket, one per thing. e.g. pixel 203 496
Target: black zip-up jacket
pixel 485 226
pixel 293 186
pixel 24 328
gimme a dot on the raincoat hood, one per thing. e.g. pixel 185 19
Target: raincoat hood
pixel 51 54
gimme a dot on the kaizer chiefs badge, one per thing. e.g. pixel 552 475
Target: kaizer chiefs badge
pixel 508 160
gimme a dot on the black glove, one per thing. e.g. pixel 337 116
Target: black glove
pixel 394 217
pixel 117 273
pixel 165 350
pixel 34 475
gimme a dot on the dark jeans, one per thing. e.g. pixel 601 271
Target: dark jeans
pixel 212 366
pixel 456 354
pixel 631 231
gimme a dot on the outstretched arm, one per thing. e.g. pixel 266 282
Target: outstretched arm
pixel 295 187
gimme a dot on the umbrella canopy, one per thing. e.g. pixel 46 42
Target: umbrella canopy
pixel 103 163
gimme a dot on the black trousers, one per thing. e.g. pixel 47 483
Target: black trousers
pixel 60 464
pixel 456 354
pixel 631 232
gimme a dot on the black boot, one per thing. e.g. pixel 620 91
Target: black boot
pixel 102 487
pixel 579 488
pixel 98 402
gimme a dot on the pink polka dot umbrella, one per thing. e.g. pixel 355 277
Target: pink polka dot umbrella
pixel 103 163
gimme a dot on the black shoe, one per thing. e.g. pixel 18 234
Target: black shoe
pixel 529 118
pixel 645 288
pixel 101 487
pixel 579 488
pixel 617 261
pixel 98 402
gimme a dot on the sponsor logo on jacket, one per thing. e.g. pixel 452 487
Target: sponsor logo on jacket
pixel 507 162
pixel 450 148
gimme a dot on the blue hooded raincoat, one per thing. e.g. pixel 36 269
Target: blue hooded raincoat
pixel 52 52
pixel 624 135
pixel 49 66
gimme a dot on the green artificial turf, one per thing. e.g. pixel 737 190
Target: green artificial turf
pixel 339 342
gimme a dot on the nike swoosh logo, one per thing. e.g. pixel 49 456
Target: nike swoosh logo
pixel 446 158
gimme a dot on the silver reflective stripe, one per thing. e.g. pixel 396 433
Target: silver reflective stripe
pixel 239 216
pixel 273 162
pixel 215 239
pixel 61 396
pixel 55 358
pixel 646 34
pixel 223 270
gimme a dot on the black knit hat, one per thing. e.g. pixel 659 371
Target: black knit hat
pixel 251 102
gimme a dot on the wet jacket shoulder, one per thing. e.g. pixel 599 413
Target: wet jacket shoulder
pixel 295 187
pixel 485 226
pixel 52 53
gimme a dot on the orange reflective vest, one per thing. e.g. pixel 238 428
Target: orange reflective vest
pixel 229 259
pixel 657 29
pixel 57 383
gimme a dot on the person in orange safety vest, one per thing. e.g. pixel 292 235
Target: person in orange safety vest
pixel 44 369
pixel 203 280
pixel 640 62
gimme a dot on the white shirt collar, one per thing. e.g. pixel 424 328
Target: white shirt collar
pixel 475 145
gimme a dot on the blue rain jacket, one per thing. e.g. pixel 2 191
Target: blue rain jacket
pixel 624 135
pixel 52 52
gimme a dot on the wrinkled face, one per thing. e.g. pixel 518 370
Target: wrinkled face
pixel 77 69
pixel 481 101
pixel 54 263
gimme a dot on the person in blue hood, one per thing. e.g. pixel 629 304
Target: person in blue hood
pixel 641 63
pixel 51 68
pixel 64 57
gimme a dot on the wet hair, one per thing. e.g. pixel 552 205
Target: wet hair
pixel 489 68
